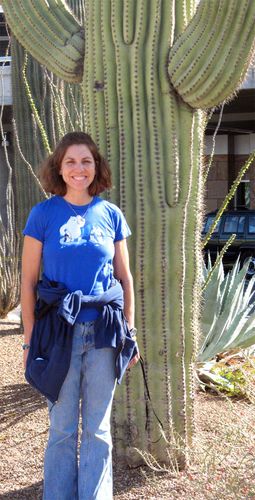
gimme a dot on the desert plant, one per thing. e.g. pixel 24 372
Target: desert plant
pixel 9 268
pixel 228 326
pixel 9 244
pixel 233 375
pixel 44 108
pixel 227 319
pixel 149 73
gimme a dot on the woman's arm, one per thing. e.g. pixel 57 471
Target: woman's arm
pixel 123 274
pixel 31 262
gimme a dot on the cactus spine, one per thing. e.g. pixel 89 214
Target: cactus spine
pixel 151 69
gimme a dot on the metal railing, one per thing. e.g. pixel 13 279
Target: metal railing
pixel 5 81
pixel 5 60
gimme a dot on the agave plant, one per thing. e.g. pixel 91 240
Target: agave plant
pixel 227 319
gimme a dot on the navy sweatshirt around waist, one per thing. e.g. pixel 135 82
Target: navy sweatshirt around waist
pixel 51 344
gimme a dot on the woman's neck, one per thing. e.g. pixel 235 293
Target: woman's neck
pixel 78 198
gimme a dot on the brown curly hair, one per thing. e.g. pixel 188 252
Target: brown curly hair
pixel 53 182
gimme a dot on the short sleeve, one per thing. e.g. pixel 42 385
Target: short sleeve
pixel 121 227
pixel 35 224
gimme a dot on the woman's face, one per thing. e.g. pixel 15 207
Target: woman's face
pixel 78 168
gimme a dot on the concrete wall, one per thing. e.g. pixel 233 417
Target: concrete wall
pixel 217 183
pixel 244 144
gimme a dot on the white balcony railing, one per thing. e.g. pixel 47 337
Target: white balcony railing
pixel 5 81
pixel 5 61
pixel 249 82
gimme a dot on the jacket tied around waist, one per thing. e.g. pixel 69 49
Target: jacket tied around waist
pixel 56 312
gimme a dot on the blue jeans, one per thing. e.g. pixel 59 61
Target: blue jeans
pixel 91 379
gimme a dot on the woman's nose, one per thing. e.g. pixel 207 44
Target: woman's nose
pixel 81 166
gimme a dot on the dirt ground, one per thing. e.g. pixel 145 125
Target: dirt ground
pixel 223 460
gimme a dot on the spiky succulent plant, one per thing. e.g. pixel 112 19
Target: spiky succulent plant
pixel 227 320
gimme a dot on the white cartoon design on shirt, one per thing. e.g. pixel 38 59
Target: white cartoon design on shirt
pixel 96 236
pixel 71 230
pixel 75 232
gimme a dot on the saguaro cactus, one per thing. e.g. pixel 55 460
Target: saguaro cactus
pixel 149 71
pixel 48 94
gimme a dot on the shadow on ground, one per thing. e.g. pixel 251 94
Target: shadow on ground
pixel 10 329
pixel 17 401
pixel 124 478
pixel 33 492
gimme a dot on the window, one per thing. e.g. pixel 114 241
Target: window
pixel 208 224
pixel 234 224
pixel 251 228
pixel 243 195
pixel 4 41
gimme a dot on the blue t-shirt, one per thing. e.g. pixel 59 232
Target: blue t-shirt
pixel 78 251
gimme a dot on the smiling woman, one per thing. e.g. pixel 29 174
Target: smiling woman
pixel 78 170
pixel 74 153
pixel 81 241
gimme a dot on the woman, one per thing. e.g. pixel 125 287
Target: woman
pixel 80 239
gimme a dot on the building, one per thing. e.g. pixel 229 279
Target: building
pixel 235 141
pixel 5 110
pixel 5 71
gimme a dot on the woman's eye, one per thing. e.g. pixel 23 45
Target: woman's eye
pixel 69 163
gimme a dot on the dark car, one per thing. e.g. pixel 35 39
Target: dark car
pixel 239 222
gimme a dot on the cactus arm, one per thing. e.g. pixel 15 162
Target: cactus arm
pixel 50 101
pixel 184 10
pixel 50 32
pixel 210 58
pixel 111 102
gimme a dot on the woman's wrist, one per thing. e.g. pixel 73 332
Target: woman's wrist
pixel 133 333
pixel 25 346
pixel 27 340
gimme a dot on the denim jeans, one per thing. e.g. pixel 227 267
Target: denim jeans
pixel 87 390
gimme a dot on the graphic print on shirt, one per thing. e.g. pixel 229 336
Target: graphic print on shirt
pixel 75 232
pixel 96 236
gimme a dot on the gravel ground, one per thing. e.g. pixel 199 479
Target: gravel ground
pixel 223 461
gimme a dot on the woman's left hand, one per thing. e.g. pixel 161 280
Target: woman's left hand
pixel 134 360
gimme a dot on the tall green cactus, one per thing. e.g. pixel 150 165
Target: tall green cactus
pixel 149 71
pixel 38 91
